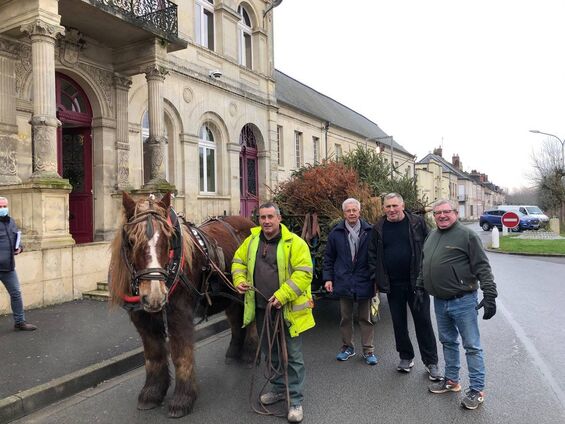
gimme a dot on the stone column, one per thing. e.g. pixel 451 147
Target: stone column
pixel 44 121
pixel 122 85
pixel 8 125
pixel 155 76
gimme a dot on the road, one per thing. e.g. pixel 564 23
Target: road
pixel 524 348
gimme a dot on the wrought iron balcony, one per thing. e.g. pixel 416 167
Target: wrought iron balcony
pixel 159 15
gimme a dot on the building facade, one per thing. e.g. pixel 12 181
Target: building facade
pixel 102 96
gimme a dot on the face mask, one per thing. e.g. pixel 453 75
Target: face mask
pixel 4 211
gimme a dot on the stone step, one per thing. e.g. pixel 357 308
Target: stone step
pixel 102 285
pixel 102 295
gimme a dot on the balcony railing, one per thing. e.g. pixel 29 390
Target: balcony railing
pixel 160 15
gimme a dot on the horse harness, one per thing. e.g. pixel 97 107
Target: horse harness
pixel 172 274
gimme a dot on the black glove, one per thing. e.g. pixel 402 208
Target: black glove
pixel 419 298
pixel 489 303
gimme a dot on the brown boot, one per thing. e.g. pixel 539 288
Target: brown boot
pixel 24 326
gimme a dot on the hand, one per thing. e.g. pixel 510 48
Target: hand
pixel 242 288
pixel 489 303
pixel 18 251
pixel 419 298
pixel 275 302
pixel 329 286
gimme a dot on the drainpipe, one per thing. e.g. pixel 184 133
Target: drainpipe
pixel 326 129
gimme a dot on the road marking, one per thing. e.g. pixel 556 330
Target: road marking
pixel 534 353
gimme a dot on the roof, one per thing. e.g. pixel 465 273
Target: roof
pixel 445 165
pixel 299 96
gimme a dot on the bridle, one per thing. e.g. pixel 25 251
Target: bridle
pixel 172 272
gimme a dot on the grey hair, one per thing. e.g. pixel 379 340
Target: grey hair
pixel 3 198
pixel 392 196
pixel 267 205
pixel 445 202
pixel 351 200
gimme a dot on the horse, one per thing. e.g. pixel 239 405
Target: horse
pixel 161 270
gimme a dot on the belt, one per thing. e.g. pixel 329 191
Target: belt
pixel 457 296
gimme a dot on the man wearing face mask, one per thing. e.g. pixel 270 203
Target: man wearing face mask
pixel 8 275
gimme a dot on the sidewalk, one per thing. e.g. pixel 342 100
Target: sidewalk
pixel 77 345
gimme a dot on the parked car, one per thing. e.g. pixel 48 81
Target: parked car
pixel 530 210
pixel 493 217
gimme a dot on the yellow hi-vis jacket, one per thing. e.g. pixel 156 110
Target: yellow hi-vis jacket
pixel 294 265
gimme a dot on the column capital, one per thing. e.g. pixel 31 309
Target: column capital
pixel 155 72
pixel 9 49
pixel 122 82
pixel 39 27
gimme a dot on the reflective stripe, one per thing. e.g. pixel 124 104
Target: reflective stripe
pixel 300 307
pixel 237 261
pixel 294 287
pixel 239 271
pixel 303 268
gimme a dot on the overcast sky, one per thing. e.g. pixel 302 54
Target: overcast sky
pixel 471 76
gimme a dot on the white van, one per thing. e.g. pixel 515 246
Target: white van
pixel 530 210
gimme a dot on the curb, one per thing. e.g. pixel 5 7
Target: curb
pixel 31 400
pixel 547 255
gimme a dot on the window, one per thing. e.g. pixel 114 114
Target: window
pixel 204 23
pixel 280 145
pixel 338 152
pixel 298 149
pixel 244 29
pixel 207 160
pixel 316 148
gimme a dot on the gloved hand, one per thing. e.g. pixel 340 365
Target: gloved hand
pixel 489 303
pixel 419 298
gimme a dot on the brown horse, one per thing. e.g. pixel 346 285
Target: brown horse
pixel 160 270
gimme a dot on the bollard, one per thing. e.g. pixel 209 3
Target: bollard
pixel 495 238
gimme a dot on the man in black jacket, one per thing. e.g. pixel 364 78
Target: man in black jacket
pixel 394 262
pixel 8 276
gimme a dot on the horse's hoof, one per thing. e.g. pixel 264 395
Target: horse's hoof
pixel 144 406
pixel 177 413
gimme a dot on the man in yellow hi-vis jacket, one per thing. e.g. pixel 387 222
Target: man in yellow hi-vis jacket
pixel 277 265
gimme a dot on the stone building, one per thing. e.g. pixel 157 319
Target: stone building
pixel 147 96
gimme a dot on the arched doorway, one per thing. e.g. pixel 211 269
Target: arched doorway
pixel 74 154
pixel 248 175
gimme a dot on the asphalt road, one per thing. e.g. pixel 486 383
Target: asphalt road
pixel 524 348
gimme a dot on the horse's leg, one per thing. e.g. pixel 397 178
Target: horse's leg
pixel 243 341
pixel 157 377
pixel 181 333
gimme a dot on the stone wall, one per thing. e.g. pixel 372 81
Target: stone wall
pixel 56 275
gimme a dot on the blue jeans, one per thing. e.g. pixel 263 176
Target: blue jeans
pixel 458 317
pixel 12 284
pixel 296 370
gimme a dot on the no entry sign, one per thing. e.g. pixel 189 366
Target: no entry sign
pixel 510 220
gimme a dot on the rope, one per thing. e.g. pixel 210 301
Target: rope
pixel 273 329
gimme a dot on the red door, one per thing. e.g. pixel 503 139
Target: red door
pixel 75 155
pixel 248 175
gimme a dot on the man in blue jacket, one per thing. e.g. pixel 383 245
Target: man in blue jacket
pixel 346 274
pixel 8 275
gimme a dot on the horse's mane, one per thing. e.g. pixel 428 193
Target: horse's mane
pixel 119 276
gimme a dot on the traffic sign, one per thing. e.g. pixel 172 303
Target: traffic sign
pixel 510 220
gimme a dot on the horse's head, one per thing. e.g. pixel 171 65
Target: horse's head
pixel 145 245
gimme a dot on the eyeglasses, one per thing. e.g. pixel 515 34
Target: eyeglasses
pixel 445 212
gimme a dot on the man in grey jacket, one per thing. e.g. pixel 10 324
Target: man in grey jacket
pixel 454 263
pixel 8 275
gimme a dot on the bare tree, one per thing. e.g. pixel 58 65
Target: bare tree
pixel 548 172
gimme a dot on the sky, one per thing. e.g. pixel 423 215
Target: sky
pixel 470 76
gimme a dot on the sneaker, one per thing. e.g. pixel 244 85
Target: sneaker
pixel 405 365
pixel 272 397
pixel 433 372
pixel 370 358
pixel 24 326
pixel 473 398
pixel 346 353
pixel 295 414
pixel 444 386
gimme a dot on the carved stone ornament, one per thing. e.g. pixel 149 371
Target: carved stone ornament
pixel 156 72
pixel 155 147
pixel 70 47
pixel 122 82
pixel 123 168
pixel 232 109
pixel 39 27
pixel 187 94
pixel 105 81
pixel 44 154
pixel 9 48
pixel 23 68
pixel 8 164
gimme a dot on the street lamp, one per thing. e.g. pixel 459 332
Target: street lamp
pixel 554 136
